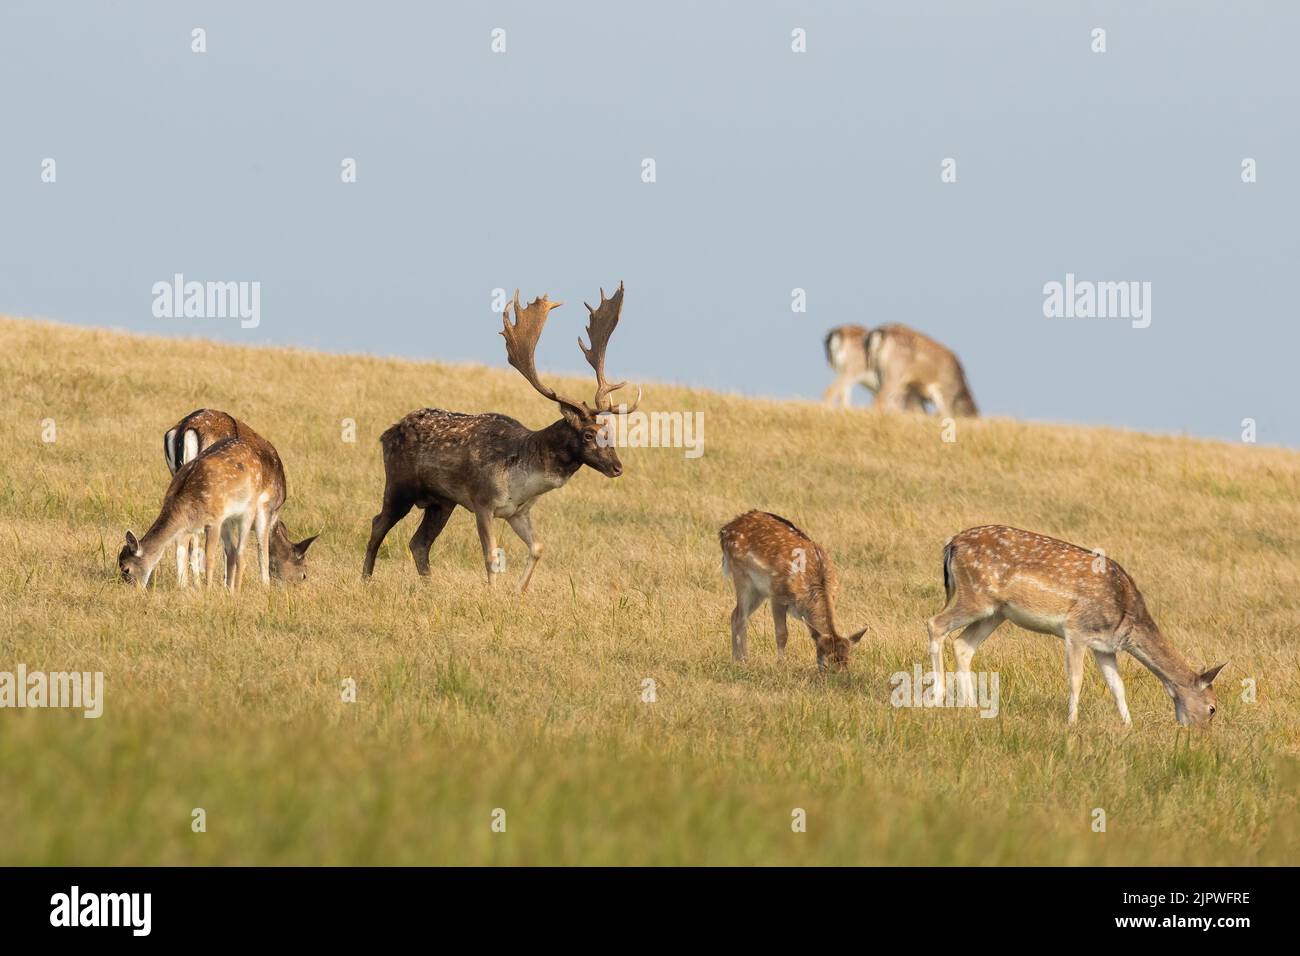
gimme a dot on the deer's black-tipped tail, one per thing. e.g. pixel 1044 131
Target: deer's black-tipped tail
pixel 170 452
pixel 948 586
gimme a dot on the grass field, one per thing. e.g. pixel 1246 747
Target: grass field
pixel 469 700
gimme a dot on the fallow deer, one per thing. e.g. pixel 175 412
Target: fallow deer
pixel 491 464
pixel 228 489
pixel 995 573
pixel 766 556
pixel 905 369
pixel 200 430
pixel 846 351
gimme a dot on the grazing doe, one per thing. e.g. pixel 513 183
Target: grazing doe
pixel 225 491
pixel 200 430
pixel 768 557
pixel 995 573
pixel 907 369
pixel 491 464
pixel 846 352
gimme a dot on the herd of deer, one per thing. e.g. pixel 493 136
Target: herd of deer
pixel 228 480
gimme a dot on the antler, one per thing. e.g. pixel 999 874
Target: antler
pixel 599 328
pixel 521 341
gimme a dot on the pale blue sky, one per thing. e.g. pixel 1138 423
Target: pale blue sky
pixel 775 171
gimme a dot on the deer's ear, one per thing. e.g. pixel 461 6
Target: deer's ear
pixel 858 636
pixel 133 544
pixel 573 415
pixel 301 547
pixel 1206 679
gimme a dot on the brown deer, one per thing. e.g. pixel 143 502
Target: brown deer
pixel 846 351
pixel 200 430
pixel 228 489
pixel 491 464
pixel 768 557
pixel 995 573
pixel 906 370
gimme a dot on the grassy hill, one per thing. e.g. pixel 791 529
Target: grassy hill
pixel 470 700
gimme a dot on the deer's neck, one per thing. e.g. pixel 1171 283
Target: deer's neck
pixel 161 533
pixel 552 451
pixel 1160 657
pixel 821 603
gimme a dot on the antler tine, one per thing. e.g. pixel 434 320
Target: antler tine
pixel 521 342
pixel 600 327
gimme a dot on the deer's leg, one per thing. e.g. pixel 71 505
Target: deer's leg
pixel 1109 668
pixel 262 525
pixel 964 646
pixel 212 547
pixel 779 612
pixel 488 539
pixel 182 559
pixel 1074 649
pixel 431 525
pixel 236 538
pixel 230 545
pixel 816 635
pixel 522 523
pixel 198 554
pixel 747 601
pixel 957 614
pixel 893 396
pixel 395 509
pixel 838 392
pixel 244 527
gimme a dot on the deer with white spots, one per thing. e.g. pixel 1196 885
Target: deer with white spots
pixel 202 429
pixel 228 490
pixel 995 573
pixel 767 557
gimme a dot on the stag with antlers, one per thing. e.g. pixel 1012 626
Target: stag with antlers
pixel 491 464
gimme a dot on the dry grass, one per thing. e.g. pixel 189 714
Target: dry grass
pixel 471 700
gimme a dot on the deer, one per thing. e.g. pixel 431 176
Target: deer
pixel 492 465
pixel 184 442
pixel 995 573
pixel 226 490
pixel 846 352
pixel 768 557
pixel 904 368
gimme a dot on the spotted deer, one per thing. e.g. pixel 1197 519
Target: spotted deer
pixel 200 430
pixel 492 465
pixel 907 370
pixel 995 573
pixel 766 556
pixel 223 493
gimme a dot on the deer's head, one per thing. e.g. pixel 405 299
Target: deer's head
pixel 833 652
pixel 587 438
pixel 288 559
pixel 131 563
pixel 1195 706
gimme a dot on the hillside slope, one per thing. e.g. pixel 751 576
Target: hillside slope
pixel 470 700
